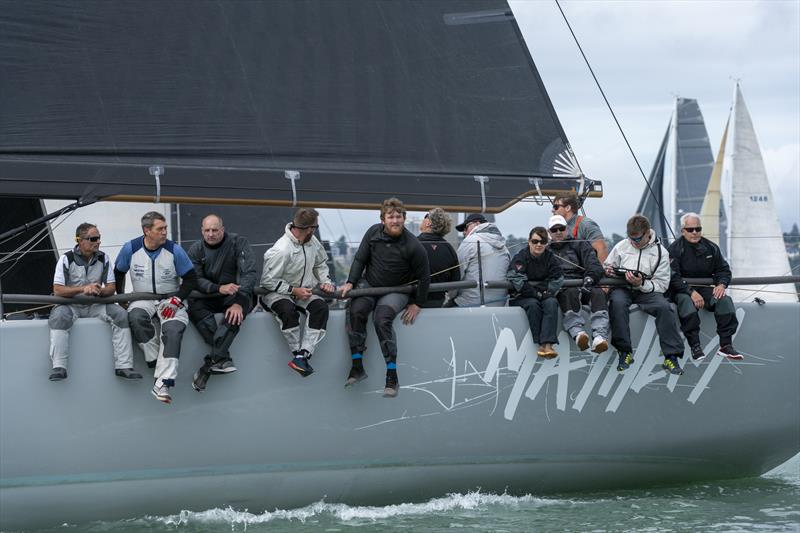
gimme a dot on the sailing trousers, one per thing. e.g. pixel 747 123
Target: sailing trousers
pixel 542 318
pixel 652 303
pixel 569 300
pixel 144 316
pixel 386 307
pixel 219 336
pixel 63 316
pixel 301 335
pixel 724 314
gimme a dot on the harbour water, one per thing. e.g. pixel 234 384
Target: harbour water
pixel 767 503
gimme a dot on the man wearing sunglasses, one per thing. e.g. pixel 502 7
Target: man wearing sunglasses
pixel 292 267
pixel 694 256
pixel 582 228
pixel 226 269
pixel 86 271
pixel 645 264
pixel 579 261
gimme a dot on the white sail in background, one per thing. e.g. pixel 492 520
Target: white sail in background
pixel 755 240
pixel 709 213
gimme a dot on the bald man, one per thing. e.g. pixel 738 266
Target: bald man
pixel 225 269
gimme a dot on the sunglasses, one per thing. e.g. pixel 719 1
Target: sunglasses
pixel 698 229
pixel 92 239
pixel 314 227
pixel 636 239
pixel 556 206
pixel 538 241
pixel 557 229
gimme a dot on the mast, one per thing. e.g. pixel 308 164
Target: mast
pixel 755 240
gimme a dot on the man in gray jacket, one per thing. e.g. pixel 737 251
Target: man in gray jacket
pixel 490 264
pixel 292 267
pixel 225 269
pixel 86 271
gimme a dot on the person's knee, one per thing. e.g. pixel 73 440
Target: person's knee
pixel 117 315
pixel 550 305
pixel 141 325
pixel 318 314
pixel 724 306
pixel 61 317
pixel 287 313
pixel 384 316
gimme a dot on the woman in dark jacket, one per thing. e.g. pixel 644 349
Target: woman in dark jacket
pixel 441 255
pixel 536 275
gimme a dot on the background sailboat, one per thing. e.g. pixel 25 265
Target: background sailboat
pixel 756 242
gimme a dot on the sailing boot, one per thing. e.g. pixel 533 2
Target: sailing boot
pixel 730 352
pixel 392 386
pixel 200 378
pixel 299 363
pixel 671 365
pixel 127 373
pixel 161 392
pixel 625 361
pixel 697 352
pixel 356 374
pixel 59 373
pixel 223 366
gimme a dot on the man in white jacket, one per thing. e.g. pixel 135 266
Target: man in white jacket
pixel 644 264
pixel 292 267
pixel 494 259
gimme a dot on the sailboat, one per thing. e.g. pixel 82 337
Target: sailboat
pixel 756 241
pixel 333 104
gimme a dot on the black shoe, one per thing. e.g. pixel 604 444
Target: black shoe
pixel 392 386
pixel 356 374
pixel 301 366
pixel 200 378
pixel 127 373
pixel 671 365
pixel 152 364
pixel 730 352
pixel 697 352
pixel 58 373
pixel 223 366
pixel 625 361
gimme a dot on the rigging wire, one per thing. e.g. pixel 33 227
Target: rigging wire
pixel 614 116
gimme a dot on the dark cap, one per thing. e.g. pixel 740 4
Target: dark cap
pixel 474 217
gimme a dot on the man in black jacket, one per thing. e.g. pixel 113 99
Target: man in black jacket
pixel 225 267
pixel 442 258
pixel 392 256
pixel 579 261
pixel 694 256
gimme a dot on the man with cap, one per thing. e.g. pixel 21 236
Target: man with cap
pixel 481 255
pixel 582 228
pixel 578 260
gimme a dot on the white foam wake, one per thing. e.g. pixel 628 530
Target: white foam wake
pixel 347 513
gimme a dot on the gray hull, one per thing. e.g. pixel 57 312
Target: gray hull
pixel 476 410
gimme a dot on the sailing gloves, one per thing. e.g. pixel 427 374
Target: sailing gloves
pixel 169 308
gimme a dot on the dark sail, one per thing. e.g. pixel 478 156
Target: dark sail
pixel 651 204
pixel 361 98
pixel 693 159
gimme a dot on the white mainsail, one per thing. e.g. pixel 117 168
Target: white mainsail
pixel 755 241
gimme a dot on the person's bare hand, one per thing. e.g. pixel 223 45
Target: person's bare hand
pixel 327 287
pixel 234 315
pixel 229 288
pixel 347 287
pixel 410 314
pixel 92 289
pixel 633 279
pixel 719 291
pixel 697 300
pixel 301 293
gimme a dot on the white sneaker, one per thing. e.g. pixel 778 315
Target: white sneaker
pixel 582 340
pixel 599 345
pixel 161 393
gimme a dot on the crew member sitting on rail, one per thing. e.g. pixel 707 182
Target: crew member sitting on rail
pixel 694 256
pixel 644 263
pixel 389 255
pixel 292 267
pixel 535 272
pixel 482 256
pixel 157 265
pixel 86 271
pixel 225 267
pixel 582 228
pixel 578 260
pixel 442 258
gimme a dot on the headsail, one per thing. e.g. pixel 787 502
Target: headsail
pixel 755 240
pixel 712 209
pixel 651 204
pixel 324 103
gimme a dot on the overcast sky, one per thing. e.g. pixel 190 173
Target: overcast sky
pixel 645 54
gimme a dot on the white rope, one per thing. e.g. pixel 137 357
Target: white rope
pixel 293 176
